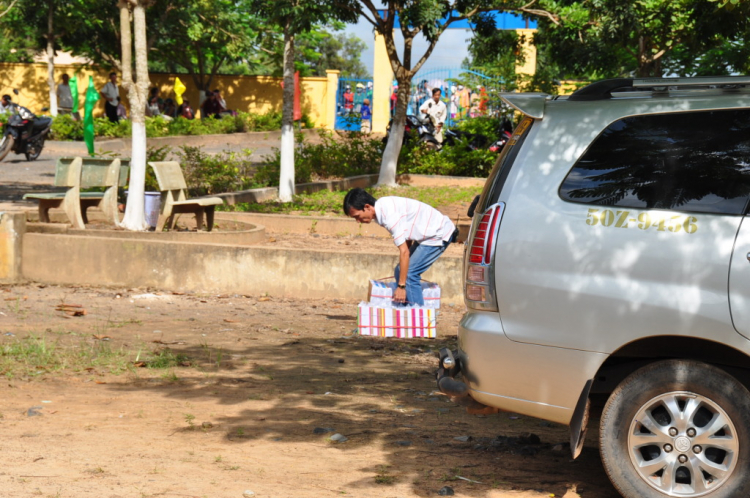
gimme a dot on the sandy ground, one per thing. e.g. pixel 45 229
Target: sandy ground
pixel 261 386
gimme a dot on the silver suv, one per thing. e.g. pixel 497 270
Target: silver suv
pixel 608 265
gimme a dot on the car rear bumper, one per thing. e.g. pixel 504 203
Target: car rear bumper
pixel 539 381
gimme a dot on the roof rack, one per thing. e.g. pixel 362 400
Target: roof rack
pixel 695 81
pixel 602 90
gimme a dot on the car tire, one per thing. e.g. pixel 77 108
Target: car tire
pixel 6 144
pixel 677 428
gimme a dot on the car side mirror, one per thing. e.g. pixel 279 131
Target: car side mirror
pixel 45 109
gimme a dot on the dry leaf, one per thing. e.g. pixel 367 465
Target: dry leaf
pixel 229 320
pixel 264 299
pixel 100 337
pixel 100 382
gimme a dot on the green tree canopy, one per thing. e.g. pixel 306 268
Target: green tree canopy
pixel 608 38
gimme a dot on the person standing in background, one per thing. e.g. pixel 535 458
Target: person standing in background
pixel 111 93
pixel 64 97
pixel 434 109
pixel 366 114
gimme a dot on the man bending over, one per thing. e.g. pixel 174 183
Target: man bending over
pixel 420 232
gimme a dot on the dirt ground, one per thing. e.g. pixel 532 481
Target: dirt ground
pixel 160 395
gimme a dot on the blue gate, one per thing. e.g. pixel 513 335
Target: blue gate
pixel 466 93
pixel 354 105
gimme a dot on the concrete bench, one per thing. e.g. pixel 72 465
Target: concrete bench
pixel 174 198
pixel 76 174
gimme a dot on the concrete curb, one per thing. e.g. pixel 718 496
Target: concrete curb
pixel 214 268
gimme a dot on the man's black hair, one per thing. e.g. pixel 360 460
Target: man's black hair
pixel 7 97
pixel 112 73
pixel 436 90
pixel 357 198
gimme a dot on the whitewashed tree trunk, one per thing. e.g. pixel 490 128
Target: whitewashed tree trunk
pixel 286 176
pixel 135 218
pixel 389 163
pixel 51 59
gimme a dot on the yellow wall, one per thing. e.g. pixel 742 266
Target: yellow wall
pixel 256 94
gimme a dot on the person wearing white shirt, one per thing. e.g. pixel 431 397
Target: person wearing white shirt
pixel 111 93
pixel 421 233
pixel 64 97
pixel 434 109
pixel 6 105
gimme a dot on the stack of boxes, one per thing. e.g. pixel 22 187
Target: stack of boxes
pixel 380 316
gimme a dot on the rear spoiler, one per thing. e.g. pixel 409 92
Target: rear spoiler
pixel 530 104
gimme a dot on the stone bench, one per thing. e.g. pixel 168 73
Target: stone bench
pixel 174 199
pixel 75 174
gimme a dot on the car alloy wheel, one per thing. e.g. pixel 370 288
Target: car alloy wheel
pixel 683 444
pixel 677 428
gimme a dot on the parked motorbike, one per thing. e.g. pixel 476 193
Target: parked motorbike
pixel 24 133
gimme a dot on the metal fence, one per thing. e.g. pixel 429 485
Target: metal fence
pixel 466 93
pixel 354 105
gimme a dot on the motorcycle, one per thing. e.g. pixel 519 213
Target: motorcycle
pixel 24 133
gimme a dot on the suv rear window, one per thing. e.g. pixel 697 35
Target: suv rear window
pixel 504 162
pixel 694 161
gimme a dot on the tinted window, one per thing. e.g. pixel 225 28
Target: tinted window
pixel 697 162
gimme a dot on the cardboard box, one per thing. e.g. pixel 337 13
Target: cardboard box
pixel 396 322
pixel 380 292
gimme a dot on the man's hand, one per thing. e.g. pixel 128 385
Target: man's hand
pixel 399 295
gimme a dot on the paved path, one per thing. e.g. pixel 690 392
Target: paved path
pixel 19 176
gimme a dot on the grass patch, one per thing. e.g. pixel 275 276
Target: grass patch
pixel 165 358
pixel 36 355
pixel 327 203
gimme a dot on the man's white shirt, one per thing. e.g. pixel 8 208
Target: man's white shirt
pixel 436 110
pixel 409 219
pixel 111 92
pixel 64 97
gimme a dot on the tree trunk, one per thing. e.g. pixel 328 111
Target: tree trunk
pixel 51 59
pixel 286 176
pixel 389 164
pixel 134 213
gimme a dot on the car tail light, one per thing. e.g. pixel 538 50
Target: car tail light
pixel 479 283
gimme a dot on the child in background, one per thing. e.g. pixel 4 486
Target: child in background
pixel 366 115
pixel 122 113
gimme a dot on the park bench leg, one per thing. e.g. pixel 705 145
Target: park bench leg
pixel 44 208
pixel 72 207
pixel 84 216
pixel 199 217
pixel 164 217
pixel 210 218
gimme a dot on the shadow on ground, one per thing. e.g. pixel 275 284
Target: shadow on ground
pixel 379 393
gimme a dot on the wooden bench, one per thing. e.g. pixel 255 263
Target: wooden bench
pixel 75 173
pixel 174 198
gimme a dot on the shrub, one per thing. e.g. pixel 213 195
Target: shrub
pixel 207 174
pixel 456 160
pixel 336 156
pixel 64 127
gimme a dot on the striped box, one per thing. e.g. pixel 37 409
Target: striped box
pixel 396 322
